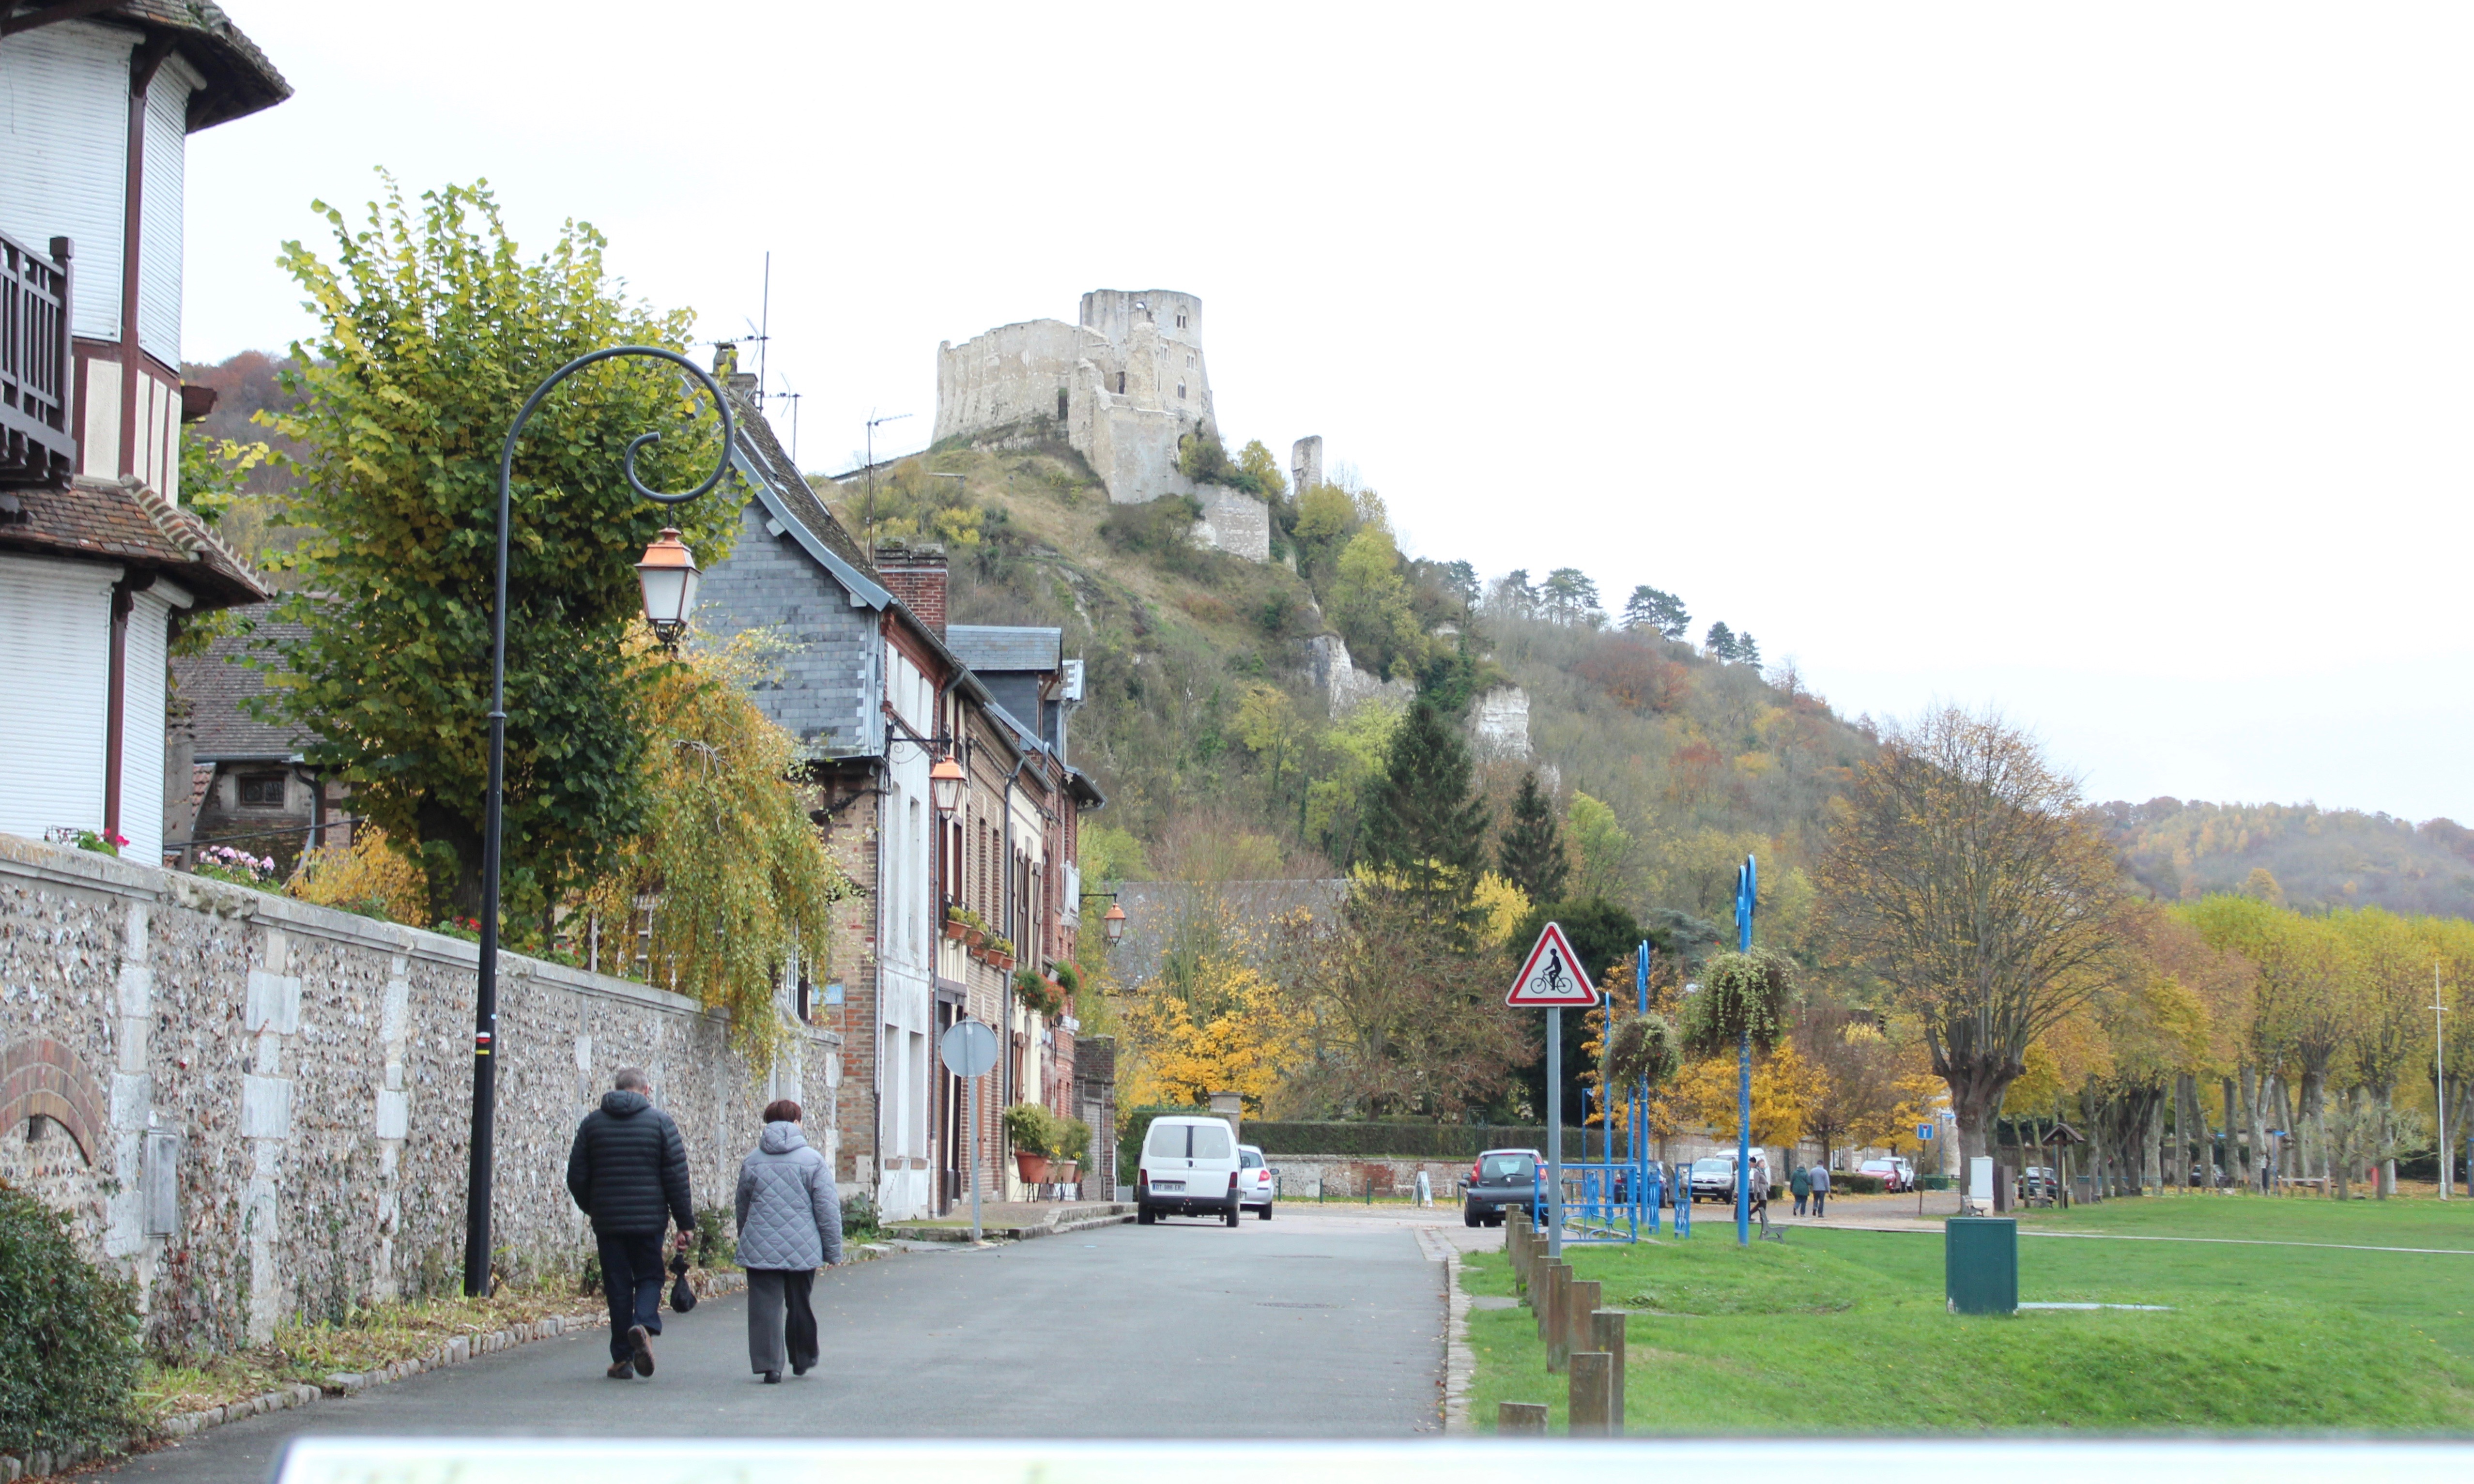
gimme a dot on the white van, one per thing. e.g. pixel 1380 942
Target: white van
pixel 1189 1168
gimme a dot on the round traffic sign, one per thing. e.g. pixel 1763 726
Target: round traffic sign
pixel 968 1049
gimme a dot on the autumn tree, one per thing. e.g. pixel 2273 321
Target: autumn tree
pixel 1862 1082
pixel 1400 1024
pixel 745 884
pixel 1960 872
pixel 433 330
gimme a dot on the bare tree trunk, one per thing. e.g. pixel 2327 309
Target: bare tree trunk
pixel 2387 1166
pixel 2193 1131
pixel 2151 1148
pixel 2253 1126
pixel 2229 1158
pixel 2312 1125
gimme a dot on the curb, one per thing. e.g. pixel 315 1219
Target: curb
pixel 1056 1226
pixel 1460 1362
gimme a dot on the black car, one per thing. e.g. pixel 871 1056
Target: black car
pixel 1501 1180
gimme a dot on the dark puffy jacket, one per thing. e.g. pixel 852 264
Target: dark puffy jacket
pixel 629 1168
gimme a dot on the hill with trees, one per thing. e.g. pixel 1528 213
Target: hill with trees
pixel 2314 859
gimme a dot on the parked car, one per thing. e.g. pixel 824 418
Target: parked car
pixel 1254 1181
pixel 1501 1180
pixel 1897 1175
pixel 1190 1167
pixel 1714 1177
pixel 2038 1183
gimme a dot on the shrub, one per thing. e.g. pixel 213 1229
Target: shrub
pixel 69 1347
pixel 714 1242
pixel 369 876
pixel 859 1214
pixel 1030 1128
pixel 1848 1183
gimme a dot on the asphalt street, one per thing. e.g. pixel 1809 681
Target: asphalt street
pixel 1316 1324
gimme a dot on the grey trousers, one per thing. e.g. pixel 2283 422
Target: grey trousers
pixel 781 1323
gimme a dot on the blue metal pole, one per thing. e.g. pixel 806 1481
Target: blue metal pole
pixel 1746 894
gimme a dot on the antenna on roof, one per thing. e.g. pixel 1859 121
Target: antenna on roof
pixel 872 420
pixel 792 397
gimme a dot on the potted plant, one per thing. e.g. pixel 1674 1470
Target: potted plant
pixel 1035 992
pixel 999 954
pixel 1072 1146
pixel 1032 1131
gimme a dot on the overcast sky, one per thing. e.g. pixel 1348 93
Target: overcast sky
pixel 2106 363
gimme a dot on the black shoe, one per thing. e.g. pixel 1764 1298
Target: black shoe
pixel 802 1368
pixel 772 1377
pixel 644 1344
pixel 622 1371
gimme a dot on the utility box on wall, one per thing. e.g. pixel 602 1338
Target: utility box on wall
pixel 1981 1264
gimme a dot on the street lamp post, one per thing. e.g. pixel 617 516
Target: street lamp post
pixel 667 574
pixel 1747 898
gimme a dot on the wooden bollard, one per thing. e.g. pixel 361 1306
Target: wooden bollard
pixel 1512 1418
pixel 1577 1323
pixel 1542 1296
pixel 1606 1333
pixel 1559 1332
pixel 1586 1412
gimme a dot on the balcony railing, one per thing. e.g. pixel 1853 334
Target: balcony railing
pixel 37 371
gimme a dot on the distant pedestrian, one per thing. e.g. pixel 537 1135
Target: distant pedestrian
pixel 1798 1184
pixel 1820 1187
pixel 789 1224
pixel 1759 1205
pixel 628 1171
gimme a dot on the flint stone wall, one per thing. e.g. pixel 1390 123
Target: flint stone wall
pixel 265 1105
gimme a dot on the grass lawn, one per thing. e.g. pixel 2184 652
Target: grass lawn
pixel 1845 1331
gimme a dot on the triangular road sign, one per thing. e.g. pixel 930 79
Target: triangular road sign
pixel 1553 975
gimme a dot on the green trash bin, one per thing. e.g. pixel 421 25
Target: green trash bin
pixel 1981 1264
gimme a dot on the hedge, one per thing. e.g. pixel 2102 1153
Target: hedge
pixel 68 1337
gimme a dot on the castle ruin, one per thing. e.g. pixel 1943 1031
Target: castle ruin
pixel 1121 388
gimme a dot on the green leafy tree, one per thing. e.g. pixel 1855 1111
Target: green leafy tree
pixel 1422 825
pixel 432 332
pixel 1650 608
pixel 1605 845
pixel 1256 462
pixel 1531 852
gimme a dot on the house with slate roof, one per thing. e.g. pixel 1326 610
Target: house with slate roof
pixel 862 675
pixel 98 561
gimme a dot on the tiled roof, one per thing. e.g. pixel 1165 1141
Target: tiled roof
pixel 215 685
pixel 988 646
pixel 123 520
pixel 757 445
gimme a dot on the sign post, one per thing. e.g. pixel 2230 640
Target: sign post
pixel 1747 897
pixel 1551 979
pixel 968 1048
pixel 1923 1135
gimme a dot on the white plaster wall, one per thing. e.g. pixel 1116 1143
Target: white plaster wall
pixel 58 617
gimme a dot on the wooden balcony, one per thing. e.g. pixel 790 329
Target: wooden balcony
pixel 38 375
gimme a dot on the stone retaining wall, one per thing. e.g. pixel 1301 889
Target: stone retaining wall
pixel 260 1110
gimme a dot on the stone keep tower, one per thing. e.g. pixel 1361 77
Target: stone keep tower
pixel 1121 388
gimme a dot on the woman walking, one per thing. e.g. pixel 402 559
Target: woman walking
pixel 1800 1185
pixel 789 1223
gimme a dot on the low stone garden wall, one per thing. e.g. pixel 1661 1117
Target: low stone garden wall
pixel 260 1110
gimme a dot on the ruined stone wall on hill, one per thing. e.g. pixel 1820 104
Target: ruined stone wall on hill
pixel 260 1110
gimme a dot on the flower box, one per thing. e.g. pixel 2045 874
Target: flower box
pixel 954 930
pixel 1033 1168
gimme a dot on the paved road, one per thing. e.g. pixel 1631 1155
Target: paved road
pixel 1314 1324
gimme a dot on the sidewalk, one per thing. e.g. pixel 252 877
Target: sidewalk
pixel 1017 1221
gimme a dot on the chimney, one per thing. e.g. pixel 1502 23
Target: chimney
pixel 917 576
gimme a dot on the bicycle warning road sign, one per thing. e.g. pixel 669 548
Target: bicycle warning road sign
pixel 1552 976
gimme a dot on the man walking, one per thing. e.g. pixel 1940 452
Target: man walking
pixel 628 1171
pixel 1820 1187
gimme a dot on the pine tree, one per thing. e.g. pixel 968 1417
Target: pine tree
pixel 1421 822
pixel 1747 653
pixel 1530 853
pixel 1720 644
pixel 1650 608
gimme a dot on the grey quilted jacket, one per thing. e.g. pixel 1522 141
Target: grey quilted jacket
pixel 788 1215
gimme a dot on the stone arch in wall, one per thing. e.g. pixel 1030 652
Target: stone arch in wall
pixel 39 1076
